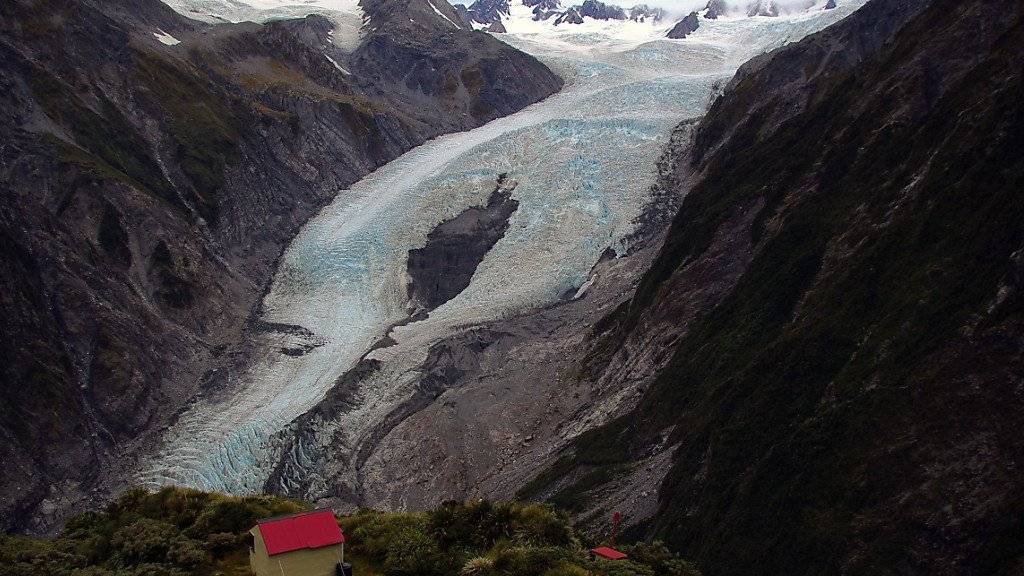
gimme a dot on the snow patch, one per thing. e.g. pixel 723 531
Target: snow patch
pixel 583 289
pixel 441 14
pixel 166 38
pixel 336 65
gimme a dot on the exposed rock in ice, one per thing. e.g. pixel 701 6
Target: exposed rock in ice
pixel 684 27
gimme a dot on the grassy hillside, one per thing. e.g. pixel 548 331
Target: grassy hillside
pixel 177 531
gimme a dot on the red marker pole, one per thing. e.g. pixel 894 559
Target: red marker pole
pixel 616 519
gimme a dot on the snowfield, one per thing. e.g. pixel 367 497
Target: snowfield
pixel 584 162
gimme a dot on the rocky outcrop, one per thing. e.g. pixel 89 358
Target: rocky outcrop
pixel 836 311
pixel 590 9
pixel 544 9
pixel 601 11
pixel 570 16
pixel 465 18
pixel 763 8
pixel 645 13
pixel 442 268
pixel 715 8
pixel 543 4
pixel 488 11
pixel 152 171
pixel 684 27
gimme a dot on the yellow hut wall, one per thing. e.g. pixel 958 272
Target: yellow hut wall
pixel 316 562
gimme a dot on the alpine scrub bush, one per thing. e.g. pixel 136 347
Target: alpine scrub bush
pixel 181 532
pixel 171 532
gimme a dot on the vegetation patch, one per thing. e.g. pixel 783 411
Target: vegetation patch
pixel 108 147
pixel 178 531
pixel 173 532
pixel 201 123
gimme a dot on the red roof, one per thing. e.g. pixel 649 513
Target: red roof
pixel 608 553
pixel 300 531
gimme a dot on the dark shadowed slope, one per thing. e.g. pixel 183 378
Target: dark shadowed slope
pixel 847 397
pixel 148 190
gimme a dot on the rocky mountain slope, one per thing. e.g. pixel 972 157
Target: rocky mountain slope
pixel 832 333
pixel 447 363
pixel 153 168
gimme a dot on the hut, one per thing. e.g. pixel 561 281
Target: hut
pixel 304 544
pixel 607 553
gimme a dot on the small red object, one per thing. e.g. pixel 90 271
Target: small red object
pixel 607 553
pixel 300 531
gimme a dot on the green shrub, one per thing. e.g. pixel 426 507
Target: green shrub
pixel 188 553
pixel 518 560
pixel 482 524
pixel 412 553
pixel 660 558
pixel 566 569
pixel 171 532
pixel 174 532
pixel 621 568
pixel 143 541
pixel 479 566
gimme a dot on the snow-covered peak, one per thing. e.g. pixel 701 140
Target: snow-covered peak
pixel 549 18
pixel 769 8
pixel 538 16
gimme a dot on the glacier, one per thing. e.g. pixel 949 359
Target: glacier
pixel 584 161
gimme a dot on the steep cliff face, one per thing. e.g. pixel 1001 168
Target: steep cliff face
pixel 838 311
pixel 153 168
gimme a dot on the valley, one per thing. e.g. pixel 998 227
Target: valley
pixel 583 163
pixel 742 282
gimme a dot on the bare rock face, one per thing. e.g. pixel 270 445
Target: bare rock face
pixel 644 13
pixel 715 8
pixel 763 8
pixel 570 16
pixel 150 185
pixel 543 4
pixel 488 11
pixel 465 18
pixel 601 11
pixel 684 27
pixel 442 268
pixel 544 9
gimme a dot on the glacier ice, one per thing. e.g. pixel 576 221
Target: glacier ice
pixel 584 161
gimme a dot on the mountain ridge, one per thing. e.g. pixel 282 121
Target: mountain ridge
pixel 837 311
pixel 154 169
